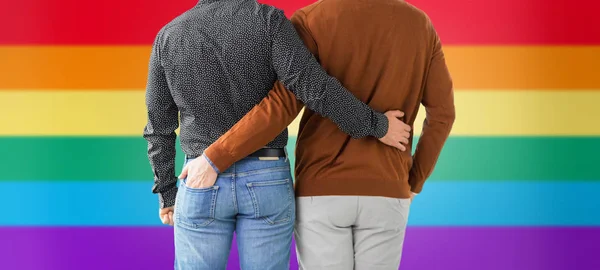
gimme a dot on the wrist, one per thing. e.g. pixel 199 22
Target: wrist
pixel 167 198
pixel 380 125
pixel 211 163
pixel 218 157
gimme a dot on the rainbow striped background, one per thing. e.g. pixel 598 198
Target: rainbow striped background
pixel 516 187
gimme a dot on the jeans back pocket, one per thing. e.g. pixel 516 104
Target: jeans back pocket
pixel 273 200
pixel 195 207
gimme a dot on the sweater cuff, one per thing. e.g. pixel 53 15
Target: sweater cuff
pixel 416 186
pixel 218 157
pixel 212 164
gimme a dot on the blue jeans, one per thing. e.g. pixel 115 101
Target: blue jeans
pixel 254 198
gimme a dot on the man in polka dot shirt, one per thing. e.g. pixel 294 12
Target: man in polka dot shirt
pixel 208 68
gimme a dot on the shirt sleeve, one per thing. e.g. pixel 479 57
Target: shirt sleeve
pixel 159 132
pixel 265 121
pixel 438 100
pixel 281 107
pixel 299 71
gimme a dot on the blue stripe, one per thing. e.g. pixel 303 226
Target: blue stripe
pixel 455 203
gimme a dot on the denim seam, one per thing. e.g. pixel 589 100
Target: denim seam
pixel 289 216
pixel 213 205
pixel 254 201
pixel 199 190
pixel 263 171
pixel 234 195
pixel 270 183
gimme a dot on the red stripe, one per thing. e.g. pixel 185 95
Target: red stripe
pixel 515 22
pixel 459 22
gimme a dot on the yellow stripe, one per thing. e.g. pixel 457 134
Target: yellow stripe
pixel 122 113
pixel 524 113
pixel 72 112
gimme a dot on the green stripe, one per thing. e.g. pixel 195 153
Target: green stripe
pixel 464 158
pixel 519 158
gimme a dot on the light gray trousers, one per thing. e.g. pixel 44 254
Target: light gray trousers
pixel 350 232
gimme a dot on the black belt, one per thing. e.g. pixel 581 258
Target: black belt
pixel 269 152
pixel 263 152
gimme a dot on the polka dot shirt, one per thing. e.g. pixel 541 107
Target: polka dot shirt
pixel 213 63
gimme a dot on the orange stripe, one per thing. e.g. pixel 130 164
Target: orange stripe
pixel 524 67
pixel 74 67
pixel 472 67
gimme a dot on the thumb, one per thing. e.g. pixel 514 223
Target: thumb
pixel 184 172
pixel 397 114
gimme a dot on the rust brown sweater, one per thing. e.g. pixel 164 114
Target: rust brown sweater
pixel 388 54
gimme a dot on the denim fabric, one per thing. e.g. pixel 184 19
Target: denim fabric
pixel 254 199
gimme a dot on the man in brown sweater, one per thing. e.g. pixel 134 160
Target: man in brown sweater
pixel 353 195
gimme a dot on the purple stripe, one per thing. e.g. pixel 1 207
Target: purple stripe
pixel 150 248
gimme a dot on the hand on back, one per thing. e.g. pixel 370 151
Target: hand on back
pixel 398 132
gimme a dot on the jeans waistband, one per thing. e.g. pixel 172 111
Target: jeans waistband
pixel 263 152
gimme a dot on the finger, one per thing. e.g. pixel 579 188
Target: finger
pixel 398 145
pixel 397 113
pixel 388 141
pixel 171 220
pixel 403 141
pixel 401 147
pixel 407 127
pixel 184 172
pixel 190 176
pixel 163 219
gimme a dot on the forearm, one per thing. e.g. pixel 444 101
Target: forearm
pixel 432 140
pixel 300 72
pixel 438 99
pixel 161 154
pixel 163 120
pixel 326 96
pixel 263 123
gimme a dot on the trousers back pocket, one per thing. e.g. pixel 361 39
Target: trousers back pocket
pixel 196 207
pixel 273 201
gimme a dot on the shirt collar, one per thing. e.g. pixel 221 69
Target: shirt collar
pixel 206 2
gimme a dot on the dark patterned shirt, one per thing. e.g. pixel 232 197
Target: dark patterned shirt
pixel 213 63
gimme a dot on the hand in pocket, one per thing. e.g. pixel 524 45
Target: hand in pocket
pixel 199 174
